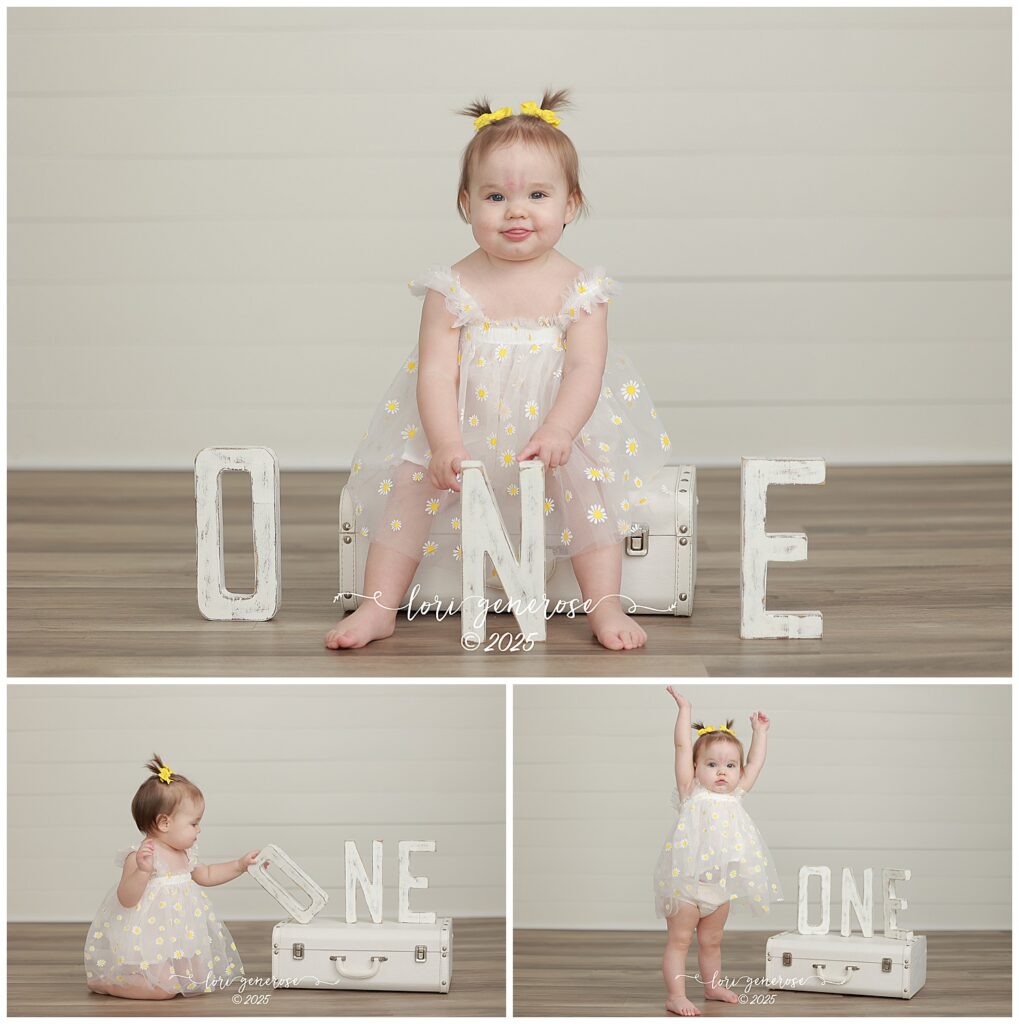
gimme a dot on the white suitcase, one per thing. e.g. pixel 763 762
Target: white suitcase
pixel 848 965
pixel 659 560
pixel 386 957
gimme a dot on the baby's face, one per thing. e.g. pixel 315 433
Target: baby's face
pixel 717 767
pixel 519 189
pixel 184 825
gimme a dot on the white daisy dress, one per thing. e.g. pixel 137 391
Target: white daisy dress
pixel 510 373
pixel 171 940
pixel 714 854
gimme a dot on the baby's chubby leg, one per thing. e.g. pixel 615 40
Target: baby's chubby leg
pixel 681 929
pixel 387 571
pixel 709 955
pixel 599 573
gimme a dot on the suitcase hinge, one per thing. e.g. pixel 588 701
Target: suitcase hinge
pixel 787 959
pixel 420 954
pixel 298 950
pixel 886 965
pixel 637 540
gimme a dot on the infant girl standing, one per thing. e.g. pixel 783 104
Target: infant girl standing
pixel 714 856
pixel 156 934
pixel 512 364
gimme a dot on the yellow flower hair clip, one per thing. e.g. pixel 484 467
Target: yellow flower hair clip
pixel 164 774
pixel 534 110
pixel 713 728
pixel 486 119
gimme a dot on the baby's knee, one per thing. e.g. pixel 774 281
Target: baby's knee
pixel 709 941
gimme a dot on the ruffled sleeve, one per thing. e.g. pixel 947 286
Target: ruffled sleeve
pixel 590 287
pixel 442 280
pixel 120 857
pixel 193 860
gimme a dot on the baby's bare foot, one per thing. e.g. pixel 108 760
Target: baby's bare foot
pixel 682 1006
pixel 614 629
pixel 721 993
pixel 369 622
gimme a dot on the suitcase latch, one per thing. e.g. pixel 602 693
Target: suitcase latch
pixel 420 954
pixel 886 965
pixel 637 540
pixel 787 959
pixel 298 951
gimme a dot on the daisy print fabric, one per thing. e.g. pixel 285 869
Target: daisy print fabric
pixel 510 374
pixel 171 940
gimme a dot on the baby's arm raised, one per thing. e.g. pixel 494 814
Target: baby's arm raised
pixel 217 874
pixel 438 382
pixel 135 876
pixel 586 350
pixel 759 723
pixel 683 744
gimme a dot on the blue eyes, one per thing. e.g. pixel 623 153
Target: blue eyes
pixel 500 195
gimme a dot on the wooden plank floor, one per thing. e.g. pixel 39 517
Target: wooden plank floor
pixel 911 567
pixel 46 977
pixel 619 974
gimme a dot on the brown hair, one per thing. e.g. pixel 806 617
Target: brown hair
pixel 707 739
pixel 533 131
pixel 155 797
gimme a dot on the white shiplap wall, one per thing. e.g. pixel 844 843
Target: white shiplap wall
pixel 304 767
pixel 207 195
pixel 885 775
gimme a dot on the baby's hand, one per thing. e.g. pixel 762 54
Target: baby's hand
pixel 552 444
pixel 247 860
pixel 143 856
pixel 679 698
pixel 759 722
pixel 445 464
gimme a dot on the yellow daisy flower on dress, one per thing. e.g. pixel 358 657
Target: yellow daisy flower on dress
pixel 565 537
pixel 624 505
pixel 492 440
pixel 512 490
pixel 594 473
pixel 429 548
pixel 531 410
pixel 458 552
pixel 473 421
pixel 454 523
pixel 631 391
pixel 534 349
pixel 607 393
pixel 392 407
pixel 510 429
pixel 508 458
pixel 549 506
pixel 623 526
pixel 432 506
pixel 610 475
pixel 642 501
pixel 616 420
pixel 654 413
pixel 417 477
pixel 481 362
pixel 585 438
pixel 631 447
pixel 568 495
pixel 395 525
pixel 409 431
pixel 410 366
pixel 501 353
pixel 481 393
pixel 603 446
pixel 356 467
pixel 385 487
pixel 596 514
pixel 364 531
pixel 666 443
pixel 136 930
pixel 637 482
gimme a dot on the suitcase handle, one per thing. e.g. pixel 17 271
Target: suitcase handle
pixel 847 968
pixel 352 973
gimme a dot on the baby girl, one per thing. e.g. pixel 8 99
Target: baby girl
pixel 714 856
pixel 512 364
pixel 156 935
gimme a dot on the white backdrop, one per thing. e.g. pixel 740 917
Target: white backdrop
pixel 809 211
pixel 304 767
pixel 856 776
